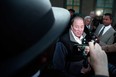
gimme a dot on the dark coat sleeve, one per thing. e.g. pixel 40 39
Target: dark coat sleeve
pixel 109 48
pixel 59 56
pixel 59 61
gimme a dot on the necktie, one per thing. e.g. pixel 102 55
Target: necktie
pixel 101 32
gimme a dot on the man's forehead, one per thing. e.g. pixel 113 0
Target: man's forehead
pixel 79 21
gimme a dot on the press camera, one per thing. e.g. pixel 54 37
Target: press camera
pixel 79 49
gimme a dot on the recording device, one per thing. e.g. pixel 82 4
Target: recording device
pixel 79 49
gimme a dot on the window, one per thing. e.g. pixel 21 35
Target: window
pixel 73 4
pixel 104 6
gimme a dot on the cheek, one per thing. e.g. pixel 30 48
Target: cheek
pixel 82 29
pixel 105 21
pixel 79 31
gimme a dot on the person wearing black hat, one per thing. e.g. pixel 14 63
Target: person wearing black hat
pixel 28 28
pixel 98 60
pixel 72 11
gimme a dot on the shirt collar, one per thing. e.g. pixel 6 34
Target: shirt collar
pixel 106 28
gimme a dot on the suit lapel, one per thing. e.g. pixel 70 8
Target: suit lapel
pixel 98 29
pixel 106 34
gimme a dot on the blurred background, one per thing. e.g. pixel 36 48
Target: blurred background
pixel 83 7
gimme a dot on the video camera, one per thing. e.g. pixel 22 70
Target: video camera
pixel 79 49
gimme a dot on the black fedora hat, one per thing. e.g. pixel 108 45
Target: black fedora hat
pixel 28 28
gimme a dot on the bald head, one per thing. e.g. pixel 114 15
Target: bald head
pixel 76 18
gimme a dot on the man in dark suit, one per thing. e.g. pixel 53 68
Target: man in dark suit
pixel 87 21
pixel 105 31
pixel 89 29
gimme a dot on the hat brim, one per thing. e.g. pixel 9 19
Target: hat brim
pixel 14 64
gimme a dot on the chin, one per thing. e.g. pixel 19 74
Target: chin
pixel 79 36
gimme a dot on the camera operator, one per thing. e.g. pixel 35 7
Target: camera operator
pixel 66 59
pixel 111 65
pixel 98 60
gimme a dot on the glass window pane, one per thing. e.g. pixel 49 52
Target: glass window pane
pixel 107 10
pixel 76 2
pixel 69 7
pixel 69 2
pixel 73 4
pixel 76 8
pixel 109 1
pixel 100 3
pixel 106 5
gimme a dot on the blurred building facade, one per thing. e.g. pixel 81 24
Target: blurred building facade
pixel 84 7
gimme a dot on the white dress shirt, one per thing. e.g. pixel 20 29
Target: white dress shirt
pixel 105 30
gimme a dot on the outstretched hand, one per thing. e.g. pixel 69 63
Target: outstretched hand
pixel 98 59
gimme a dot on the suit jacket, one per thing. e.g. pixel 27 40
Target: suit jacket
pixel 107 37
pixel 89 33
